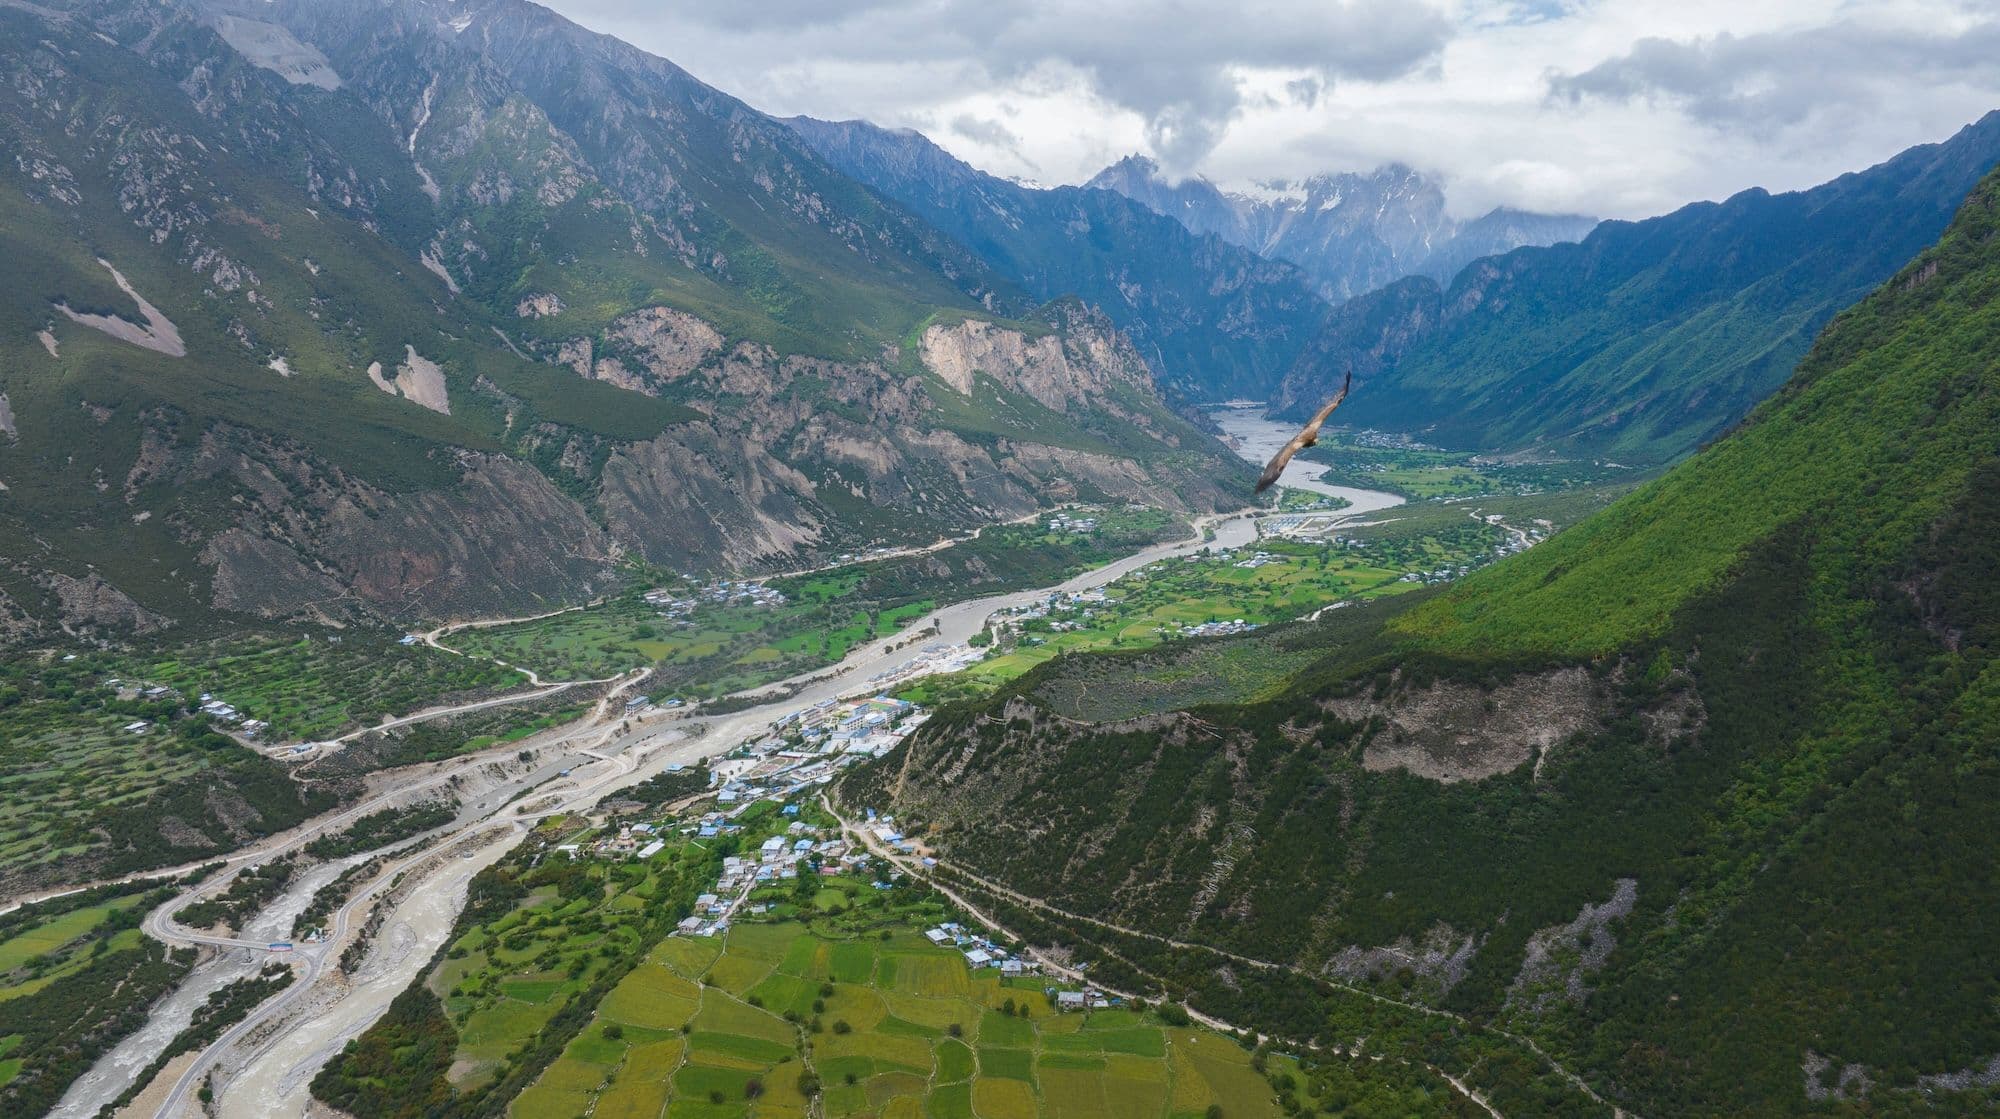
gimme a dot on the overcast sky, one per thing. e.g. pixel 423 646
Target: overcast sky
pixel 1620 108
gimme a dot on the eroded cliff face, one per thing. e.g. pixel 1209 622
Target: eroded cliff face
pixel 306 540
pixel 1060 372
pixel 792 457
pixel 1209 827
pixel 792 446
pixel 795 456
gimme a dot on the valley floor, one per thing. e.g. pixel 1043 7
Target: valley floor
pixel 511 785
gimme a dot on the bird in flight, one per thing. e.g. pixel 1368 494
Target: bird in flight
pixel 1303 439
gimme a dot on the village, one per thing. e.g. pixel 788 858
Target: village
pixel 766 788
pixel 209 705
pixel 677 606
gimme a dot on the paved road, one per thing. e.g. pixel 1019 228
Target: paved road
pixel 917 871
pixel 619 750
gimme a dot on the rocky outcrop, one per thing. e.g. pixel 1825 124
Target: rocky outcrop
pixel 540 305
pixel 157 333
pixel 419 380
pixel 1449 731
pixel 7 427
pixel 1559 957
pixel 667 344
pixel 1057 370
pixel 310 540
pixel 89 603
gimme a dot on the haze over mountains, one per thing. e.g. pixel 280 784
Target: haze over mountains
pixel 1647 337
pixel 1560 789
pixel 1352 233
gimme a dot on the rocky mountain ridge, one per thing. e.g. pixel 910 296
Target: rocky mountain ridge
pixel 377 337
pixel 1213 320
pixel 1350 232
pixel 1645 339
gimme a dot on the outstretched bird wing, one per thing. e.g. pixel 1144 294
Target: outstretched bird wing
pixel 1305 438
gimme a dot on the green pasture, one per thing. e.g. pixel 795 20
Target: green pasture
pixel 882 1025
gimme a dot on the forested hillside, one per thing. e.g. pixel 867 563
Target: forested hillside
pixel 1646 339
pixel 376 310
pixel 1696 794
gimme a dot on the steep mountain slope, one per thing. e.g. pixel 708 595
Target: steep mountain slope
pixel 348 326
pixel 1352 233
pixel 1649 337
pixel 1695 793
pixel 1214 320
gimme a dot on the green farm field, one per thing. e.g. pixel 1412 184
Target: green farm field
pixel 841 1008
pixel 1420 473
pixel 82 796
pixel 1435 541
pixel 720 647
pixel 312 687
pixel 72 971
pixel 1165 600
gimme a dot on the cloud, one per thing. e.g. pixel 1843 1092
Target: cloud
pixel 981 130
pixel 1621 108
pixel 1175 63
pixel 1765 83
pixel 1305 91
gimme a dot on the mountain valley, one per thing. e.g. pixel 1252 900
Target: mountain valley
pixel 531 585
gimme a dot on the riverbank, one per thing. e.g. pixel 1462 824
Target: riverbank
pixel 620 750
pixel 1256 439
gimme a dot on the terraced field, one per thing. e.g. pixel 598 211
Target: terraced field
pixel 1166 600
pixel 719 647
pixel 874 1022
pixel 72 971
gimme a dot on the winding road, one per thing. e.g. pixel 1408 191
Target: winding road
pixel 611 748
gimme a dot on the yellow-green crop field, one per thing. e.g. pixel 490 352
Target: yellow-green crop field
pixel 757 1021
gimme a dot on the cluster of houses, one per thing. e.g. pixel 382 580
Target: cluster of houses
pixel 1090 998
pixel 640 703
pixel 980 950
pixel 936 657
pixel 211 706
pixel 1257 560
pixel 675 605
pixel 871 726
pixel 632 841
pixel 1075 609
pixel 216 709
pixel 1218 629
pixel 1064 522
pixel 801 848
pixel 1314 526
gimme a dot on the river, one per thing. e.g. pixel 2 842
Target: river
pixel 265 1072
pixel 1257 439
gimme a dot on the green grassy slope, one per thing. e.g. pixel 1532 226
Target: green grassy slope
pixel 1755 699
pixel 1648 338
pixel 1871 442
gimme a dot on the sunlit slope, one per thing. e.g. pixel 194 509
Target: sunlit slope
pixel 1862 451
